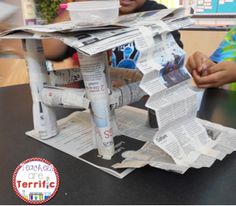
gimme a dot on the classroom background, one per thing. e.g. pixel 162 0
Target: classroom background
pixel 212 20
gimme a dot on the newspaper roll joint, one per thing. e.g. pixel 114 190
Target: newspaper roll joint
pixel 64 97
pixel 92 69
pixel 125 95
pixel 44 117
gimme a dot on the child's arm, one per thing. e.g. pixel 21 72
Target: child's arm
pixel 55 49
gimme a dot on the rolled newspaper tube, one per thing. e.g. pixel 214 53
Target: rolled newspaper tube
pixel 109 86
pixel 64 97
pixel 92 69
pixel 44 117
pixel 125 95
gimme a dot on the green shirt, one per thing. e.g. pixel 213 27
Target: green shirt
pixel 227 51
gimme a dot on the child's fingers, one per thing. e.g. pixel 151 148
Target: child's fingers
pixel 191 65
pixel 209 79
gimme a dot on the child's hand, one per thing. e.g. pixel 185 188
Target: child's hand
pixel 218 75
pixel 199 62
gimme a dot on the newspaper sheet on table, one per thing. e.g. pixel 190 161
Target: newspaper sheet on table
pixel 153 155
pixel 76 137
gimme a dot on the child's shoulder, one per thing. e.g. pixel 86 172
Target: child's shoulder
pixel 151 5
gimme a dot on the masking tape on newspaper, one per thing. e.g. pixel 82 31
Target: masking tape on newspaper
pixel 145 43
pixel 161 27
pixel 75 98
pixel 125 95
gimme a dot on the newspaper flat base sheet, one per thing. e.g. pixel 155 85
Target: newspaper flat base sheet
pixel 76 139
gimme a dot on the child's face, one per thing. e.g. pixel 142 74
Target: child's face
pixel 129 6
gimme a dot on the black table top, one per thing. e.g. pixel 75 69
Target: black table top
pixel 84 184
